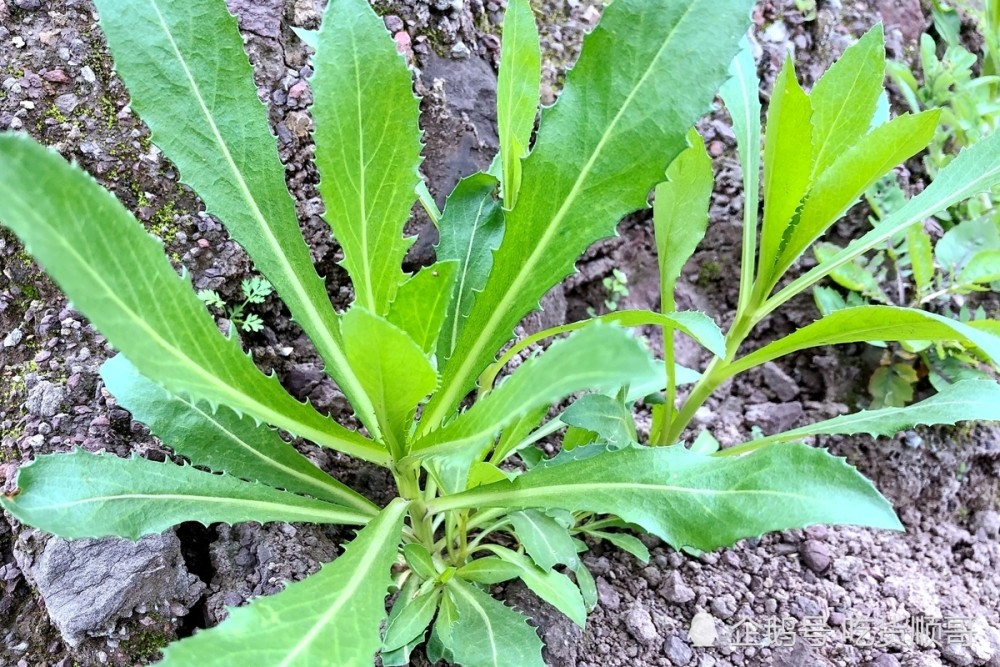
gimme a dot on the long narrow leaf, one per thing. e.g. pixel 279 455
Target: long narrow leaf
pixel 870 323
pixel 330 618
pixel 553 587
pixel 742 98
pixel 845 98
pixel 223 441
pixel 787 163
pixel 856 170
pixel 367 146
pixel 518 82
pixel 976 169
pixel 598 153
pixel 189 79
pixel 694 500
pixel 118 276
pixel 93 495
pixel 966 400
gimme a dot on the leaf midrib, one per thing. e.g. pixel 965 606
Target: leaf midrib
pixel 319 329
pixel 354 582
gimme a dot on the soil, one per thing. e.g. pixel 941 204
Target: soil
pixel 821 586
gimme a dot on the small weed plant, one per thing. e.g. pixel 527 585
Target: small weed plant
pixel 478 503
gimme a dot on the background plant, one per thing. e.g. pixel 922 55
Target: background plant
pixel 465 518
pixel 921 268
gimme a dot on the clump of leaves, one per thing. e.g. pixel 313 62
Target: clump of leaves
pixel 411 347
pixel 255 291
pixel 912 267
pixel 616 288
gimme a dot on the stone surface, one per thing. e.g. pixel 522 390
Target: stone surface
pixel 90 585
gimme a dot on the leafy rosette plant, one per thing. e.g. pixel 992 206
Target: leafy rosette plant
pixel 477 502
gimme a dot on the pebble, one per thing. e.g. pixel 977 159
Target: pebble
pixel 778 381
pixel 723 606
pixel 816 556
pixel 607 595
pixel 640 625
pixel 88 74
pixel 56 76
pixel 67 103
pixel 885 660
pixel 675 590
pixel 677 650
pixel 13 338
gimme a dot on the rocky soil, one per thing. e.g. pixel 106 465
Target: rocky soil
pixel 825 596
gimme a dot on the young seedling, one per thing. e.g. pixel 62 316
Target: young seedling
pixel 255 291
pixel 410 348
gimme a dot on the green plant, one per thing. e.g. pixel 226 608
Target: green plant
pixel 255 291
pixel 616 287
pixel 464 518
pixel 911 268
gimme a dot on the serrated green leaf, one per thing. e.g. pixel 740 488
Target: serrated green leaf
pixel 614 358
pixel 488 571
pixel 854 171
pixel 471 229
pixel 588 587
pixel 680 212
pixel 976 169
pixel 516 432
pixel 93 495
pixel 741 95
pixel 966 400
pixel 411 620
pixel 597 154
pixel 487 633
pixel 606 416
pixel 918 247
pixel 202 108
pixel 788 157
pixel 845 98
pixel 868 323
pixel 422 302
pixel 378 350
pixel 546 540
pixel 628 543
pixel 223 441
pixel 693 500
pixel 518 82
pixel 117 275
pixel 367 146
pixel 330 618
pixel 554 587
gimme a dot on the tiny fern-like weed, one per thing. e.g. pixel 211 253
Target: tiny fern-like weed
pixel 411 348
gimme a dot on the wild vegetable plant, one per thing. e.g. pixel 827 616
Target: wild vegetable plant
pixel 476 503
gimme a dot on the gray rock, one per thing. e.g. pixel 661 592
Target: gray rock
pixel 30 5
pixel 677 650
pixel 723 606
pixel 45 399
pixel 67 103
pixel 640 625
pixel 261 17
pixel 798 654
pixel 607 595
pixel 13 338
pixel 675 590
pixel 783 386
pixel 774 417
pixel 988 521
pixel 89 585
pixel 884 660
